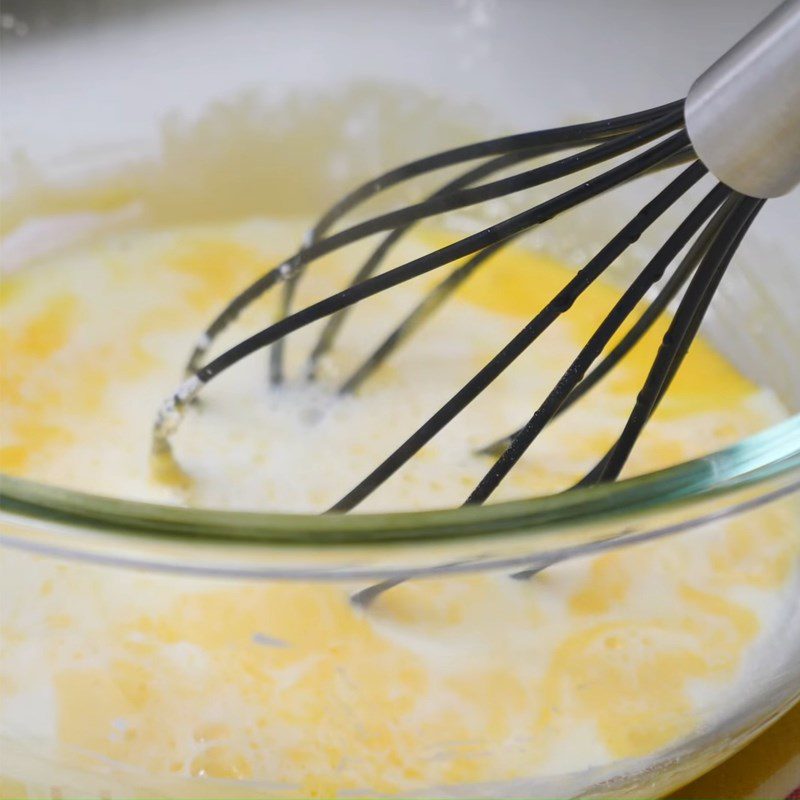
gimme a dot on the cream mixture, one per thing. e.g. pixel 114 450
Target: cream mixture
pixel 159 680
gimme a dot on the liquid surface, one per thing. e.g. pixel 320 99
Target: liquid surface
pixel 161 681
pixel 93 344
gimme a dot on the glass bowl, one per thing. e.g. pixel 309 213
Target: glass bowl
pixel 122 114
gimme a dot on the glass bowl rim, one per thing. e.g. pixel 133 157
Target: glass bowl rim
pixel 772 453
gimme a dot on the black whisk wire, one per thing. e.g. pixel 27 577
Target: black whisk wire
pixel 451 196
pixel 369 267
pixel 318 245
pixel 630 298
pixel 333 323
pixel 698 249
pixel 679 336
pixel 445 255
pixel 557 306
pixel 638 330
pixel 515 149
pixel 436 298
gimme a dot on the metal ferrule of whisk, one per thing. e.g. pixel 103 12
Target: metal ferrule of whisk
pixel 743 113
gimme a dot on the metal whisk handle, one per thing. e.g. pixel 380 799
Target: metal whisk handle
pixel 743 113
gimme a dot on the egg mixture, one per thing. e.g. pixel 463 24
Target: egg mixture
pixel 166 684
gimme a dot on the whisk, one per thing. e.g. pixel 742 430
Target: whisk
pixel 740 122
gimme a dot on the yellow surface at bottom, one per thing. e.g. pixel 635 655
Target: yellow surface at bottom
pixel 767 769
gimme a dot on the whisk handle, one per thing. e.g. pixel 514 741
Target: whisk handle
pixel 743 113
